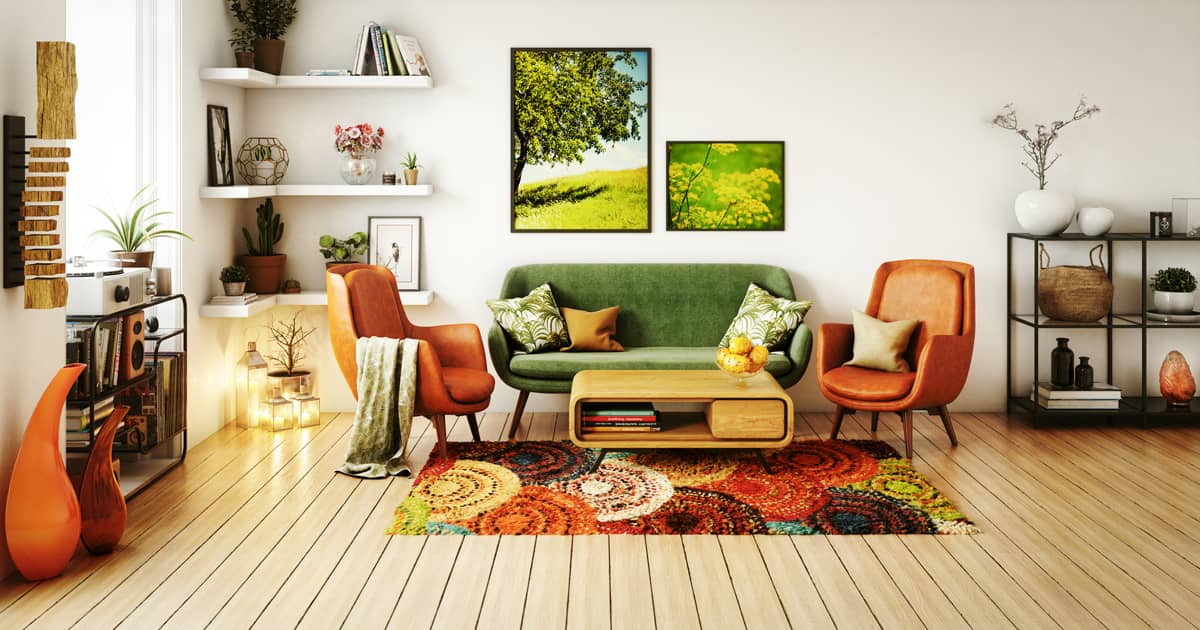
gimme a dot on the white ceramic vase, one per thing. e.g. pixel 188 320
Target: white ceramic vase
pixel 1044 212
pixel 1094 221
pixel 1174 302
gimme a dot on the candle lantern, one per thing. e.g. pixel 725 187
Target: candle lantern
pixel 251 387
pixel 279 413
pixel 308 409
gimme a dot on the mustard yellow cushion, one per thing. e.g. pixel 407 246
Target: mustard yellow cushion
pixel 880 345
pixel 592 331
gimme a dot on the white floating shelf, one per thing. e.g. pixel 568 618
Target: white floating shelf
pixel 250 78
pixel 303 298
pixel 315 190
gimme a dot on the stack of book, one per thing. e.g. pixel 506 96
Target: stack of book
pixel 1101 396
pixel 619 418
pixel 233 300
pixel 384 52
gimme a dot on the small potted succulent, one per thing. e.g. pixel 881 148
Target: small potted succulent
pixel 410 169
pixel 339 252
pixel 291 286
pixel 233 279
pixel 242 42
pixel 1174 291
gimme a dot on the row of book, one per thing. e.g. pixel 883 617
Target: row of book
pixel 1101 396
pixel 385 52
pixel 619 418
pixel 156 408
pixel 102 368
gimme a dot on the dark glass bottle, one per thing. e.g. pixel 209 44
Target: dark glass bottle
pixel 1084 374
pixel 1062 364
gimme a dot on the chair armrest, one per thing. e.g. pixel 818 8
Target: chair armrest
pixel 431 385
pixel 501 353
pixel 799 351
pixel 457 345
pixel 835 346
pixel 942 370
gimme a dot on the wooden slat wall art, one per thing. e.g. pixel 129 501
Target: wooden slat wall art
pixel 45 284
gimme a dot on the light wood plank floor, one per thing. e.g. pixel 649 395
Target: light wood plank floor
pixel 1083 528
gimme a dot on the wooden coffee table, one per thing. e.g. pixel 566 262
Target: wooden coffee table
pixel 751 414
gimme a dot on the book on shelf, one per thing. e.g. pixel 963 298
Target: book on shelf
pixel 323 72
pixel 645 429
pixel 235 300
pixel 618 420
pixel 618 409
pixel 382 51
pixel 1080 404
pixel 1099 391
pixel 394 49
pixel 413 56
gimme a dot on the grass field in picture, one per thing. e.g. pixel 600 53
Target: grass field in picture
pixel 597 200
pixel 725 185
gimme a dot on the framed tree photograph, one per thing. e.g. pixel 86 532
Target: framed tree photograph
pixel 725 185
pixel 220 151
pixel 395 243
pixel 580 140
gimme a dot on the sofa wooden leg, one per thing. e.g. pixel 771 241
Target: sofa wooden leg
pixel 874 422
pixel 906 418
pixel 948 423
pixel 474 424
pixel 439 425
pixel 522 398
pixel 837 421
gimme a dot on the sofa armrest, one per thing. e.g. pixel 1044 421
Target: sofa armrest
pixel 457 345
pixel 835 346
pixel 799 351
pixel 942 370
pixel 501 353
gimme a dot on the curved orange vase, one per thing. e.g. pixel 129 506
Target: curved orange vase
pixel 100 498
pixel 41 518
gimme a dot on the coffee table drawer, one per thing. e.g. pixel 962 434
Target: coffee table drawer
pixel 747 418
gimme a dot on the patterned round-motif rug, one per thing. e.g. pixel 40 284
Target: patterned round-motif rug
pixel 815 487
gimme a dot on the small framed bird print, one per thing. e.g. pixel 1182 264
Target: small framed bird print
pixel 395 243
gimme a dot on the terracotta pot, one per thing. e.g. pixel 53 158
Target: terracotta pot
pixel 1175 380
pixel 410 176
pixel 266 272
pixel 41 519
pixel 268 55
pixel 245 59
pixel 140 260
pixel 101 502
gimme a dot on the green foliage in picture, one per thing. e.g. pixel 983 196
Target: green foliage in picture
pixel 725 185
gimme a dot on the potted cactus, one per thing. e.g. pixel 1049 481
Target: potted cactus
pixel 233 280
pixel 263 265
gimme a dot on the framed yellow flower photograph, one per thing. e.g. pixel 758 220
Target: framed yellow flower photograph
pixel 725 185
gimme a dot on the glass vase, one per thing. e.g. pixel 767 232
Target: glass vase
pixel 357 168
pixel 1062 364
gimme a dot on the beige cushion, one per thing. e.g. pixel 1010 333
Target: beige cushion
pixel 880 345
pixel 592 331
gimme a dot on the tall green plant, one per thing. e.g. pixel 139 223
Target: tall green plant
pixel 267 19
pixel 270 231
pixel 136 226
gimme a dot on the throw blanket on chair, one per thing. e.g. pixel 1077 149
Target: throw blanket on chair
pixel 387 385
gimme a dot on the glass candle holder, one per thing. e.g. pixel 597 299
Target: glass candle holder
pixel 308 409
pixel 251 376
pixel 280 413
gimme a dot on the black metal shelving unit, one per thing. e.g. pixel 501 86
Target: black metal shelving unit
pixel 144 471
pixel 1141 406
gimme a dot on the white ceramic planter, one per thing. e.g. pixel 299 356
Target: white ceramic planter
pixel 1044 212
pixel 1175 303
pixel 1094 221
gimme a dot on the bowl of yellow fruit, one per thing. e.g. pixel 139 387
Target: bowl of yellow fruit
pixel 742 359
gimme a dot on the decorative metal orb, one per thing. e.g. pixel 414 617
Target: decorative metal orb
pixel 262 161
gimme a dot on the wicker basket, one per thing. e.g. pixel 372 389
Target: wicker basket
pixel 1071 293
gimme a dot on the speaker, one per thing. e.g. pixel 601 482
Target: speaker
pixel 133 347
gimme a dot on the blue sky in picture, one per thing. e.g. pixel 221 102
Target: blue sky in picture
pixel 616 157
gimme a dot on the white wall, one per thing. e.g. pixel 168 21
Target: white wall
pixel 883 105
pixel 28 338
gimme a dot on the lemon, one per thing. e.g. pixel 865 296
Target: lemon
pixel 758 355
pixel 735 363
pixel 740 345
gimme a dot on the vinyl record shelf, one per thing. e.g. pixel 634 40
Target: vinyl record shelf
pixel 1136 403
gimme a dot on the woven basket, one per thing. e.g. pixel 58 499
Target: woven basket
pixel 1071 293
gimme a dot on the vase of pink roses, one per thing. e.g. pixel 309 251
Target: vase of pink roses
pixel 356 143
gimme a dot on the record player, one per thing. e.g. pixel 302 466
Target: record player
pixel 103 290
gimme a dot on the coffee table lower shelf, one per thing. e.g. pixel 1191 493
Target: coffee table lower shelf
pixel 680 429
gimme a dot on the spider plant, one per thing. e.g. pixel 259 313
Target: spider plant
pixel 136 225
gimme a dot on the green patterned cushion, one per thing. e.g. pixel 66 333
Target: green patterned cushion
pixel 767 320
pixel 533 321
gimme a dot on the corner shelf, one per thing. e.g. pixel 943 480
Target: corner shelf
pixel 303 298
pixel 254 79
pixel 315 190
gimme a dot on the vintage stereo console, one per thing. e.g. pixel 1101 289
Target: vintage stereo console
pixel 100 292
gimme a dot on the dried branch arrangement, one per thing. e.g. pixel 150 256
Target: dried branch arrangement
pixel 1038 143
pixel 289 340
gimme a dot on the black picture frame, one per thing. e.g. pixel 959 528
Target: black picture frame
pixel 1162 224
pixel 220 150
pixel 782 187
pixel 512 135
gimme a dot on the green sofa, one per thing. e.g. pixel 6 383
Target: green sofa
pixel 672 318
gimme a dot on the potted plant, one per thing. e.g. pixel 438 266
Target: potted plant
pixel 290 338
pixel 267 21
pixel 135 228
pixel 264 266
pixel 1174 291
pixel 339 252
pixel 291 286
pixel 356 141
pixel 233 279
pixel 242 42
pixel 1043 212
pixel 410 169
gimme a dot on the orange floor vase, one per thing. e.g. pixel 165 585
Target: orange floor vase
pixel 41 519
pixel 101 501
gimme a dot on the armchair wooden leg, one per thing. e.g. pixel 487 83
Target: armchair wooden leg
pixel 906 418
pixel 439 425
pixel 522 398
pixel 474 424
pixel 874 422
pixel 837 421
pixel 948 423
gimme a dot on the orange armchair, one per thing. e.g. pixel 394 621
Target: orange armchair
pixel 941 296
pixel 452 376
